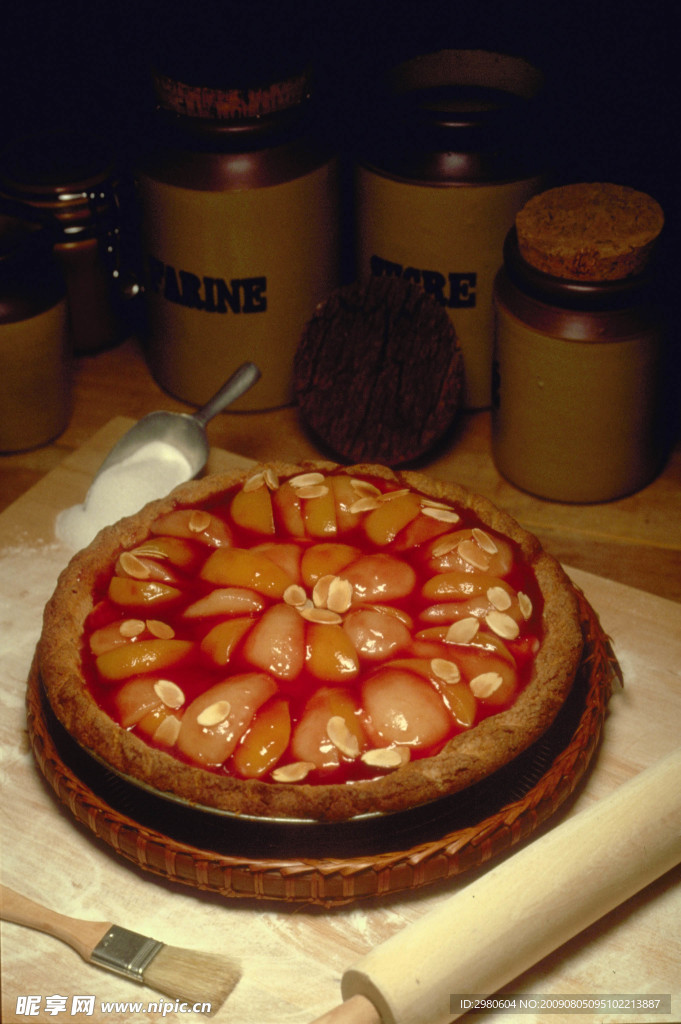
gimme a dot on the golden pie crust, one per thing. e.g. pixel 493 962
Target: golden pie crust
pixel 467 758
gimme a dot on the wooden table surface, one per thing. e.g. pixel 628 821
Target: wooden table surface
pixel 635 540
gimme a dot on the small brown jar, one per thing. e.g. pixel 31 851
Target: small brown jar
pixel 35 345
pixel 70 178
pixel 578 399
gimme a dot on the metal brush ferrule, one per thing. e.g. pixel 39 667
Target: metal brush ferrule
pixel 125 952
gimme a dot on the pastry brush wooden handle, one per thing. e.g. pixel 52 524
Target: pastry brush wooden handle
pixel 505 922
pixel 82 936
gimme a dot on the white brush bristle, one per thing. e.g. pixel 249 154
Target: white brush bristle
pixel 192 977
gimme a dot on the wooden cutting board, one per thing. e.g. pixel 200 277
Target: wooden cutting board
pixel 292 958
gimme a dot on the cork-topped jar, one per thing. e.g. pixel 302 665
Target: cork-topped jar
pixel 579 346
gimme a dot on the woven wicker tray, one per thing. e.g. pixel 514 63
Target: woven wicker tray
pixel 336 863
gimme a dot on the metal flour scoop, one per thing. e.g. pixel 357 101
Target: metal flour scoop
pixel 184 431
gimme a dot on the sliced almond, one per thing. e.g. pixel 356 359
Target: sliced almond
pixel 294 772
pixel 432 503
pixel 500 598
pixel 313 491
pixel 463 631
pixel 525 605
pixel 254 483
pixel 307 480
pixel 295 596
pixel 503 625
pixel 131 627
pixel 265 478
pixel 386 757
pixel 321 615
pixel 339 598
pixel 367 504
pixel 169 692
pixel 486 542
pixel 472 553
pixel 442 515
pixel 133 566
pixel 341 737
pixel 199 520
pixel 214 714
pixel 320 591
pixel 445 670
pixel 161 630
pixel 389 495
pixel 271 478
pixel 485 684
pixel 150 548
pixel 364 488
pixel 168 731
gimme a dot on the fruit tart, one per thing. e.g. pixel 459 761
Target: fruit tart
pixel 311 642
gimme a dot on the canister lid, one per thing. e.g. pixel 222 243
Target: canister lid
pixel 232 62
pixel 230 104
pixel 583 296
pixel 55 162
pixel 66 174
pixel 455 116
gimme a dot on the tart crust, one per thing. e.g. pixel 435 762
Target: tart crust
pixel 465 759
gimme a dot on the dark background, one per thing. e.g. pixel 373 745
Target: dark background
pixel 610 83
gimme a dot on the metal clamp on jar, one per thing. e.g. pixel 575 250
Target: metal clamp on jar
pixel 70 179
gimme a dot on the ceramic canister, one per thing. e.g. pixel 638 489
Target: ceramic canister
pixel 578 413
pixel 35 342
pixel 449 159
pixel 70 178
pixel 239 235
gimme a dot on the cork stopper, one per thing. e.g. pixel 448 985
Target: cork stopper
pixel 589 232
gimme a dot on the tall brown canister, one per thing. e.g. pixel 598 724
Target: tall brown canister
pixel 449 158
pixel 239 234
pixel 580 399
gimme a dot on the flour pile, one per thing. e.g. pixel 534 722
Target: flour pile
pixel 148 474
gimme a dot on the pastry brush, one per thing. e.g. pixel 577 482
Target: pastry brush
pixel 184 974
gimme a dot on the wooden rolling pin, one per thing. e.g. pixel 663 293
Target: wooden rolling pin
pixel 488 933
